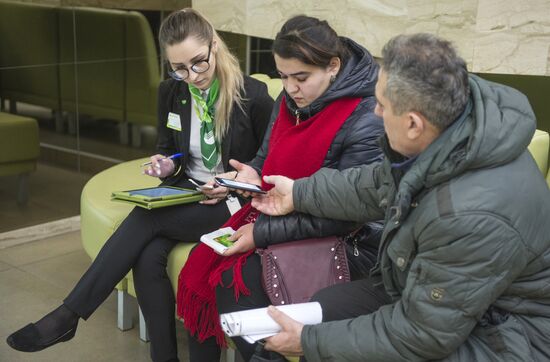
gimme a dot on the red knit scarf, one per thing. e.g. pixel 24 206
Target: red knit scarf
pixel 295 151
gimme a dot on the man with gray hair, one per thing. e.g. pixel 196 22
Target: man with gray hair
pixel 463 271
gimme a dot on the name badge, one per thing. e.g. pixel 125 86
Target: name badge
pixel 174 121
pixel 233 204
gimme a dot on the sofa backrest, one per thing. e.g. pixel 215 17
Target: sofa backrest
pixel 29 54
pixel 101 62
pixel 142 70
pixel 96 86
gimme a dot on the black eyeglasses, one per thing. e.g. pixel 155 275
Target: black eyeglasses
pixel 201 66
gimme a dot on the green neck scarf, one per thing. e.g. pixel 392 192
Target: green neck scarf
pixel 205 109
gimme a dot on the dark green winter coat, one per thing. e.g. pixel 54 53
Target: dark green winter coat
pixel 466 248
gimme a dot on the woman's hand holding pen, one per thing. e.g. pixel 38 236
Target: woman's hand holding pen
pixel 159 166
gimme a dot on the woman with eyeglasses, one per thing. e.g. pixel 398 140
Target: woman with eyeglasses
pixel 210 113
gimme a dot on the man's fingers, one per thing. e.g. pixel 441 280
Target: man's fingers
pixel 264 204
pixel 287 341
pixel 271 179
pixel 281 318
pixel 256 203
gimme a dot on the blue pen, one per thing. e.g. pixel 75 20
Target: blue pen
pixel 175 155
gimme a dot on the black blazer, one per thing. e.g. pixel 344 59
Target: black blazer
pixel 243 138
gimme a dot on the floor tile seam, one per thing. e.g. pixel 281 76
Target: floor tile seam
pixel 8 264
pixel 43 260
pixel 60 288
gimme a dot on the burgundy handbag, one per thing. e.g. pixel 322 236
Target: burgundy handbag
pixel 294 271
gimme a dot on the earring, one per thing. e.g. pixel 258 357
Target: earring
pixel 332 78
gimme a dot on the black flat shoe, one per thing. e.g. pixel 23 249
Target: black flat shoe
pixel 28 339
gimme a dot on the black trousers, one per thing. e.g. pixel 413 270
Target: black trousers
pixel 142 243
pixel 341 301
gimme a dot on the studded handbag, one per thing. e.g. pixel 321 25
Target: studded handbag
pixel 293 271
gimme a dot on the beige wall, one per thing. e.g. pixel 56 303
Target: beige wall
pixel 494 36
pixel 163 5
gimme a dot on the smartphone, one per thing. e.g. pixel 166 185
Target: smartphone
pixel 201 187
pixel 232 184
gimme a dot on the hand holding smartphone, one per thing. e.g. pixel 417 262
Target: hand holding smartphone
pixel 201 187
pixel 219 239
pixel 232 184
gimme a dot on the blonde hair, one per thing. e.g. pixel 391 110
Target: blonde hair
pixel 188 22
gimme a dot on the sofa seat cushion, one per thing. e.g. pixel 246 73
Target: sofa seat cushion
pixel 99 216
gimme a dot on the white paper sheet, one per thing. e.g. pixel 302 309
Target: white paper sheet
pixel 256 324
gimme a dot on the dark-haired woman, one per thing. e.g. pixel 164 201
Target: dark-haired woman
pixel 323 118
pixel 209 112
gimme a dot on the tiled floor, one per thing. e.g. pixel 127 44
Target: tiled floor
pixel 54 193
pixel 34 278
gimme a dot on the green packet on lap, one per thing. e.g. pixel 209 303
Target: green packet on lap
pixel 219 239
pixel 160 196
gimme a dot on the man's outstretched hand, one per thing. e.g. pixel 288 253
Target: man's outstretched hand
pixel 278 200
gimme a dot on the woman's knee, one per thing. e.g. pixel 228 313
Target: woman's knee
pixel 322 296
pixel 327 298
pixel 152 261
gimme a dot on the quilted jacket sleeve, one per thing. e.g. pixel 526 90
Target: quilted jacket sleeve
pixel 443 299
pixel 354 194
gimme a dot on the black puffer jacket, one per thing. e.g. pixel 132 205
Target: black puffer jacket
pixel 354 144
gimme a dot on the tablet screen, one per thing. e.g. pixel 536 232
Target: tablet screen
pixel 160 191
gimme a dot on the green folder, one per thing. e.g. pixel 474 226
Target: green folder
pixel 160 196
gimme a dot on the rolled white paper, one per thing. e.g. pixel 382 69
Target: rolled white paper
pixel 256 324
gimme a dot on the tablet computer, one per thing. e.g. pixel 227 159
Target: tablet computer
pixel 155 193
pixel 160 196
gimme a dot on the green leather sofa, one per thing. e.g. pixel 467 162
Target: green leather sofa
pixel 112 74
pixel 19 150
